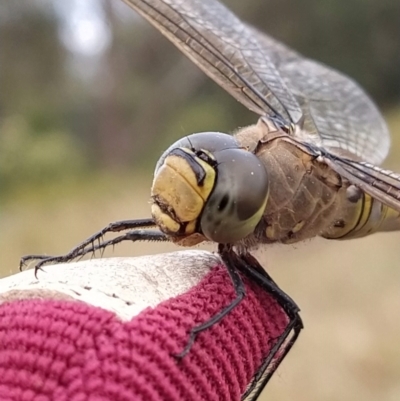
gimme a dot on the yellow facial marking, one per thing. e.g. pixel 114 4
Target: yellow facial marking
pixel 165 222
pixel 173 185
pixel 178 197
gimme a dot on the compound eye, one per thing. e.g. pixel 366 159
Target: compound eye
pixel 239 197
pixel 211 141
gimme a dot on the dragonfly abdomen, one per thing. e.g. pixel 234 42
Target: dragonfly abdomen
pixel 362 217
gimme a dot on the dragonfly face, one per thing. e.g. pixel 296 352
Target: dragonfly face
pixel 208 188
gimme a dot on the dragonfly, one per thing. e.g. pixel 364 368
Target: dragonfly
pixel 308 167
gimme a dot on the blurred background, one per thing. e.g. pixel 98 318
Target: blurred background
pixel 90 97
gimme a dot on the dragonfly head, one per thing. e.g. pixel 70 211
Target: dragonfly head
pixel 207 188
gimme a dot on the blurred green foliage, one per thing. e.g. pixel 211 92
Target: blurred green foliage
pixel 64 112
pixel 35 159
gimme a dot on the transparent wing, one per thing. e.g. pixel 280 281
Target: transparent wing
pixel 271 79
pixel 226 50
pixel 383 185
pixel 346 119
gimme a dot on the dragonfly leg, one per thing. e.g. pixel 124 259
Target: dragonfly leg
pixel 134 235
pixel 238 285
pixel 271 363
pixel 80 250
pixel 250 266
pixel 286 340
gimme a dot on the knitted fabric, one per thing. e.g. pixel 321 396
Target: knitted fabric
pixel 71 351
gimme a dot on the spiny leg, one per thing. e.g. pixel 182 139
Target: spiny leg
pixel 233 263
pixel 271 363
pixel 250 266
pixel 238 285
pixel 75 252
pixel 134 235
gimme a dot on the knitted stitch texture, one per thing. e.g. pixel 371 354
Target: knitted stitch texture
pixel 70 351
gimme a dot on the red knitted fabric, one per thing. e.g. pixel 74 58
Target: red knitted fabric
pixel 70 351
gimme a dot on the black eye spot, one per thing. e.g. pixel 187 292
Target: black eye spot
pixel 202 155
pixel 205 157
pixel 224 202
